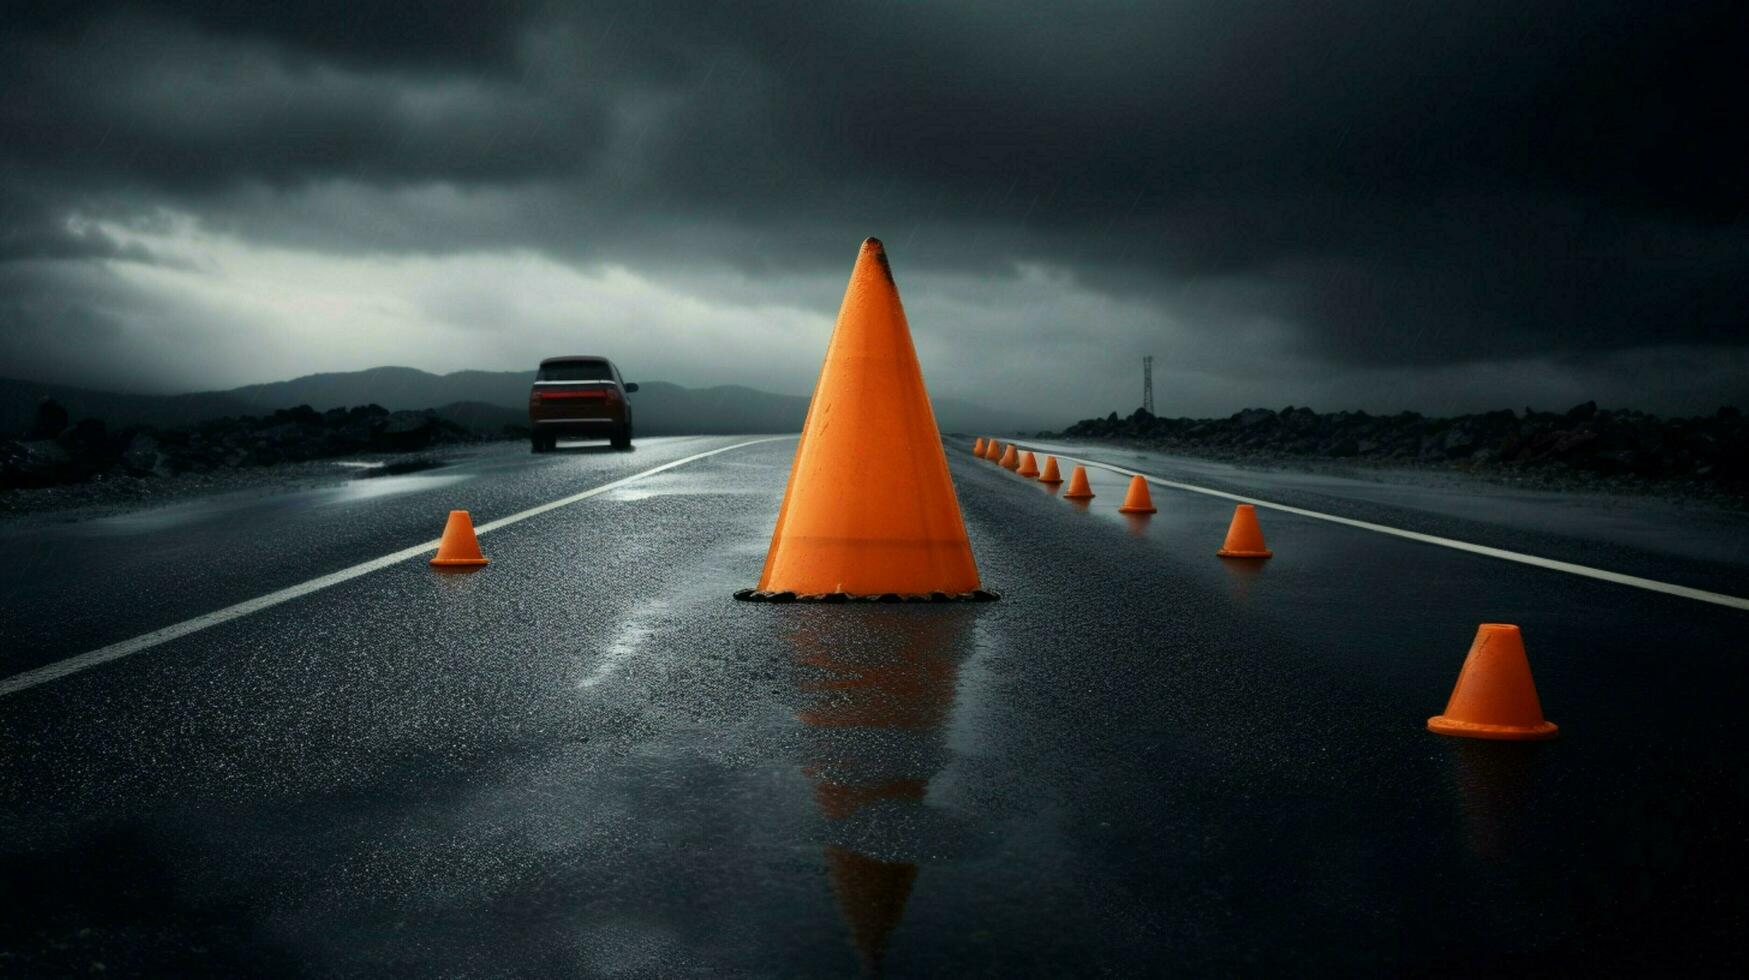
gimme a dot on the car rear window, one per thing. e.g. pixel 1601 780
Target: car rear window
pixel 576 371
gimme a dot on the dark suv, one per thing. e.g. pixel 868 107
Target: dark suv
pixel 579 396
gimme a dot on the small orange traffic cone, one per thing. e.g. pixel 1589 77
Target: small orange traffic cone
pixel 1078 488
pixel 1028 465
pixel 837 530
pixel 1050 474
pixel 1138 500
pixel 990 451
pixel 1494 696
pixel 1010 459
pixel 459 548
pixel 1244 536
pixel 978 447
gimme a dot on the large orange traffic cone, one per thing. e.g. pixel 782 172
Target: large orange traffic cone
pixel 839 530
pixel 1244 535
pixel 1494 696
pixel 1137 500
pixel 1050 474
pixel 458 548
pixel 978 447
pixel 1010 458
pixel 1078 488
pixel 1028 465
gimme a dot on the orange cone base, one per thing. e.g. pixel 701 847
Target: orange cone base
pixel 1232 553
pixel 1441 725
pixel 1127 509
pixel 976 595
pixel 459 562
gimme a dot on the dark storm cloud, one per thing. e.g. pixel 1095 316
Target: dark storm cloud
pixel 1399 183
pixel 437 33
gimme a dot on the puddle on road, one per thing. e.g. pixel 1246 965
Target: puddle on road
pixel 387 486
pixel 374 470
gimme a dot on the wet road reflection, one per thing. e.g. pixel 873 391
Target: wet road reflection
pixel 879 688
pixel 1243 574
pixel 1496 784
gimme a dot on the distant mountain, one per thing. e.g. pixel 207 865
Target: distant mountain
pixel 484 401
pixel 394 388
pixel 18 401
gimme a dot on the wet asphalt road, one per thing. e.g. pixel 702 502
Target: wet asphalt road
pixel 587 760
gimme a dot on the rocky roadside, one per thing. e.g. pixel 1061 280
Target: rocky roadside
pixel 117 493
pixel 1585 449
pixel 83 468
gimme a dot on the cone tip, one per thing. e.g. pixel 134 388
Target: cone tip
pixel 1497 628
pixel 872 248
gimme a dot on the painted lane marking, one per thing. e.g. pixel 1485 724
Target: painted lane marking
pixel 1586 571
pixel 146 641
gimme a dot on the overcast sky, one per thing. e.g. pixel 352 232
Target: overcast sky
pixel 1438 206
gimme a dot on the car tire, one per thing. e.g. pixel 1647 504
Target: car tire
pixel 542 443
pixel 622 437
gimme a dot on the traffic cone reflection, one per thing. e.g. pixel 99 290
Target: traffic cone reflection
pixel 1137 500
pixel 1050 474
pixel 838 531
pixel 857 699
pixel 1010 459
pixel 1495 696
pixel 458 548
pixel 1244 535
pixel 1028 465
pixel 872 894
pixel 1078 488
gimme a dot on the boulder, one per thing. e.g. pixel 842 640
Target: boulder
pixel 1458 441
pixel 51 418
pixel 403 431
pixel 36 463
pixel 143 455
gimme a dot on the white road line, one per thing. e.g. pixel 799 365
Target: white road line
pixel 146 641
pixel 1602 574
